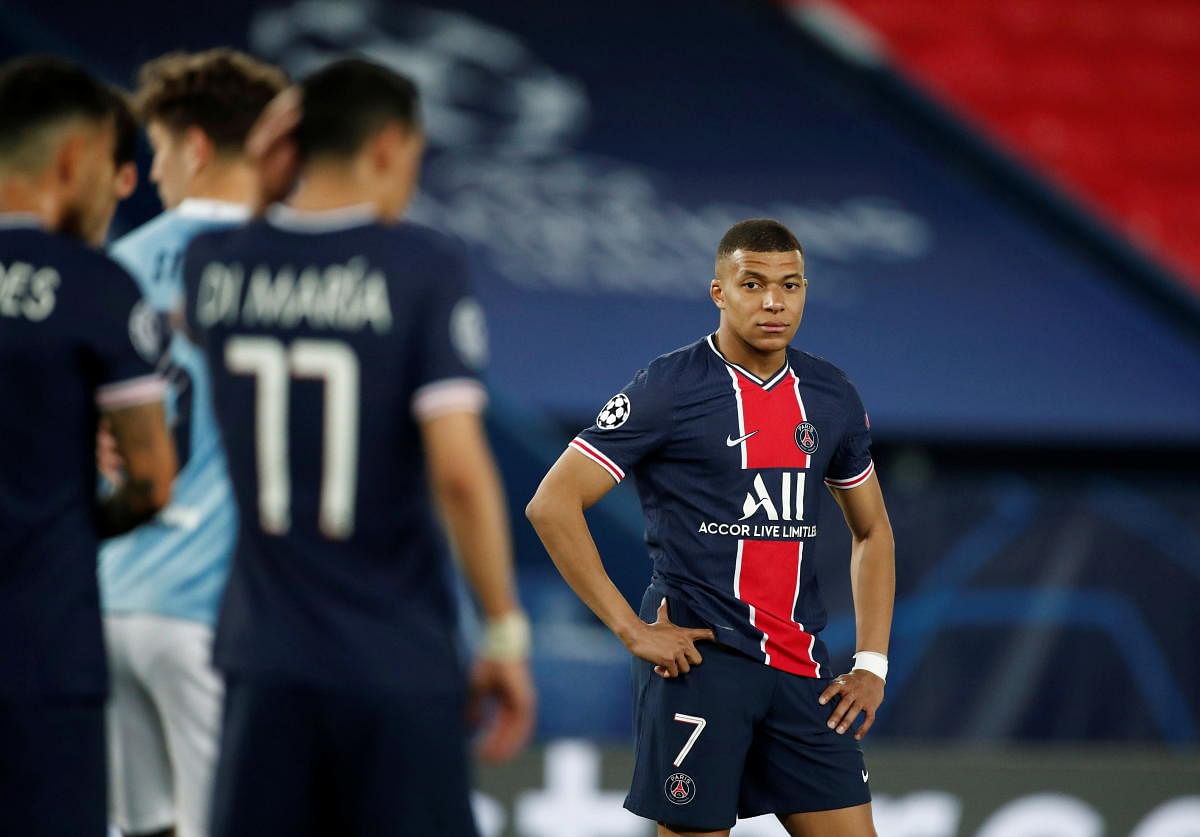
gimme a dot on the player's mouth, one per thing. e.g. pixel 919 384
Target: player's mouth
pixel 773 327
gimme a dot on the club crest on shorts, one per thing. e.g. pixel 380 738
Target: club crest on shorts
pixel 679 788
pixel 806 437
pixel 614 413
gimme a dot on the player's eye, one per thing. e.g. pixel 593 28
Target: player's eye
pixel 791 286
pixel 750 285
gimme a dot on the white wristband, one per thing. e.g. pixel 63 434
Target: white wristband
pixel 507 638
pixel 873 662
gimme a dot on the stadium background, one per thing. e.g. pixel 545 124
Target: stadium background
pixel 998 203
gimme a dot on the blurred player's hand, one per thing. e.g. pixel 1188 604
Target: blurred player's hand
pixel 671 648
pixel 272 150
pixel 503 691
pixel 108 461
pixel 858 692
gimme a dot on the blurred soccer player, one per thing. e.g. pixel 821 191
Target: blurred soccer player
pixel 161 583
pixel 75 342
pixel 730 439
pixel 124 176
pixel 346 351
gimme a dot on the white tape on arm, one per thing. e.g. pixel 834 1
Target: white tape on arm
pixel 873 662
pixel 507 638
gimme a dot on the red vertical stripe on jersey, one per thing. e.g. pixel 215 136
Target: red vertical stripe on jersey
pixel 768 572
pixel 775 414
pixel 769 581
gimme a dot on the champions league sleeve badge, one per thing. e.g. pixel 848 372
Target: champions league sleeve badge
pixel 614 413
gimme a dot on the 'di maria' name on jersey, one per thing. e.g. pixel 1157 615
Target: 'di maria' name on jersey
pixel 346 297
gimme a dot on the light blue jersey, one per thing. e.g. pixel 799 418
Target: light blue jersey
pixel 177 564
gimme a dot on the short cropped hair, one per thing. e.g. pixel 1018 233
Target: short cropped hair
pixel 220 91
pixel 758 235
pixel 348 102
pixel 38 94
pixel 125 148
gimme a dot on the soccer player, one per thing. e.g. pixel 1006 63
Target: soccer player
pixel 124 179
pixel 162 582
pixel 346 351
pixel 730 439
pixel 75 343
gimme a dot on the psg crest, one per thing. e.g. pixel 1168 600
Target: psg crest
pixel 806 437
pixel 614 413
pixel 679 788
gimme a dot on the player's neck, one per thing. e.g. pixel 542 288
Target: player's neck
pixel 739 352
pixel 19 197
pixel 330 187
pixel 233 182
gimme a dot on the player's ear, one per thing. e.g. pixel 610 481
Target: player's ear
pixel 199 150
pixel 716 292
pixel 127 178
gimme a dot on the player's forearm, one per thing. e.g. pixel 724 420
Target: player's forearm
pixel 476 516
pixel 873 583
pixel 564 532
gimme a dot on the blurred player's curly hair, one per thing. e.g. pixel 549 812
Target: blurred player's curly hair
pixel 220 91
pixel 758 235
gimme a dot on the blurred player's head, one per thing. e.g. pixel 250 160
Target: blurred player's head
pixel 124 173
pixel 759 285
pixel 57 141
pixel 198 109
pixel 360 119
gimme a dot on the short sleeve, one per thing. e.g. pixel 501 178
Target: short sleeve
pixel 630 426
pixel 851 464
pixel 452 349
pixel 126 338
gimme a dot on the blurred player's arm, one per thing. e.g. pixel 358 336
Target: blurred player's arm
pixel 873 585
pixel 467 487
pixel 145 448
pixel 573 485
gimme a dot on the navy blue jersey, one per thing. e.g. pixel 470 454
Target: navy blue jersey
pixel 75 337
pixel 329 338
pixel 731 470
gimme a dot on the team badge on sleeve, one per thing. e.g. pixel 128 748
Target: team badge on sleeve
pixel 679 788
pixel 614 413
pixel 806 437
pixel 146 331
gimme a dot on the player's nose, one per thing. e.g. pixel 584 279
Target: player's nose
pixel 772 301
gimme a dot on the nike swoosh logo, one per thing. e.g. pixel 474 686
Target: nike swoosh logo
pixel 864 775
pixel 730 442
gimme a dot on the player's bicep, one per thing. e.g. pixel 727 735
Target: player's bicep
pixel 144 443
pixel 863 507
pixel 455 443
pixel 575 479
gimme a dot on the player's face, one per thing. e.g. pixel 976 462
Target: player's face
pixel 122 183
pixel 87 203
pixel 761 297
pixel 171 170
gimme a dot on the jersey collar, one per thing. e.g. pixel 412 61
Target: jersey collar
pixel 210 209
pixel 328 220
pixel 767 384
pixel 19 220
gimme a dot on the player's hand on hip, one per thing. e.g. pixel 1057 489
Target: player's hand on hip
pixel 859 691
pixel 503 690
pixel 670 647
pixel 108 459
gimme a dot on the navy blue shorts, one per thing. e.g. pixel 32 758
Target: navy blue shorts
pixel 303 760
pixel 735 738
pixel 53 766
